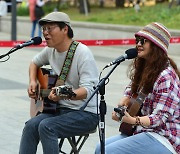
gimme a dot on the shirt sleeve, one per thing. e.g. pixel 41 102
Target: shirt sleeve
pixel 127 91
pixel 41 58
pixel 88 71
pixel 166 100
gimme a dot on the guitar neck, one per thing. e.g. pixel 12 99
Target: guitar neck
pixel 136 103
pixel 44 92
pixel 133 109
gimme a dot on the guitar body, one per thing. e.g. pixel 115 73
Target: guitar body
pixel 42 78
pixel 45 82
pixel 35 107
pixel 134 110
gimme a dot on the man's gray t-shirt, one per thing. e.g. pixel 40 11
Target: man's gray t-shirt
pixel 83 73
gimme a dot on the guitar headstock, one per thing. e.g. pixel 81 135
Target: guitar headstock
pixel 120 111
pixel 65 90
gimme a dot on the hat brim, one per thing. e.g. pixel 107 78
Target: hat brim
pixel 44 21
pixel 151 39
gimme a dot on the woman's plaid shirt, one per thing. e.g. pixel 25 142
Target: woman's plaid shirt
pixel 163 107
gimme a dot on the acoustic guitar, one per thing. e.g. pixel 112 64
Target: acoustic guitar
pixel 47 80
pixel 134 110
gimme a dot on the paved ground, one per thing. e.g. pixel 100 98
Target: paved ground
pixel 14 102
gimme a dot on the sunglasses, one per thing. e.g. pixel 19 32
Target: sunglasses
pixel 141 40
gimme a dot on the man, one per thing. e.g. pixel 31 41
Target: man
pixel 36 12
pixel 68 120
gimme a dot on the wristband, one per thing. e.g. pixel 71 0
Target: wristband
pixel 138 122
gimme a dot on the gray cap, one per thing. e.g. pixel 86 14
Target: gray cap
pixel 56 17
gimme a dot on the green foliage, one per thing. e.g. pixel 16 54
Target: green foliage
pixel 126 16
pixel 22 10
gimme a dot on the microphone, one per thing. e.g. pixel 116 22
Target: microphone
pixel 33 41
pixel 129 54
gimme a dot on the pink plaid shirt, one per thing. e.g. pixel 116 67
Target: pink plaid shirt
pixel 163 107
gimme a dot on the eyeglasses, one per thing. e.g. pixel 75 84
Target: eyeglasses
pixel 141 39
pixel 48 28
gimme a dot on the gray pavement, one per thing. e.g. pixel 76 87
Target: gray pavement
pixel 14 104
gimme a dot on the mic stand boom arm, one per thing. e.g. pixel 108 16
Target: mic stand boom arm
pixel 101 88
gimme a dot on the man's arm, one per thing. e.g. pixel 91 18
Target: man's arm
pixel 81 93
pixel 32 80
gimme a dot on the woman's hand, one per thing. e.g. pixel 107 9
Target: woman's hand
pixel 128 119
pixel 114 116
pixel 124 101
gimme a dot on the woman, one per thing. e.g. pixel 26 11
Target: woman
pixel 154 75
pixel 34 19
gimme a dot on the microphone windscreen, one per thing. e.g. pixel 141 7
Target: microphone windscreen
pixel 131 53
pixel 37 40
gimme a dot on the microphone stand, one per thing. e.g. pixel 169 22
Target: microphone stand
pixel 11 51
pixel 101 88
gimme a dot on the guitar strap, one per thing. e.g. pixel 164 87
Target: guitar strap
pixel 67 64
pixel 49 105
pixel 140 98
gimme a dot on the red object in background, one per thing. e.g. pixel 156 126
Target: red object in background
pixel 110 42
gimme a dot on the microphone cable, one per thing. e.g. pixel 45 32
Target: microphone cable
pixel 7 54
pixel 33 41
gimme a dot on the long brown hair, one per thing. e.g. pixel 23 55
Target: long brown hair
pixel 143 73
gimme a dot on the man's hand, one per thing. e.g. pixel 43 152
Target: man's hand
pixel 32 90
pixel 52 96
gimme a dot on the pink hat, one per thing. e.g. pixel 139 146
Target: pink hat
pixel 157 33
